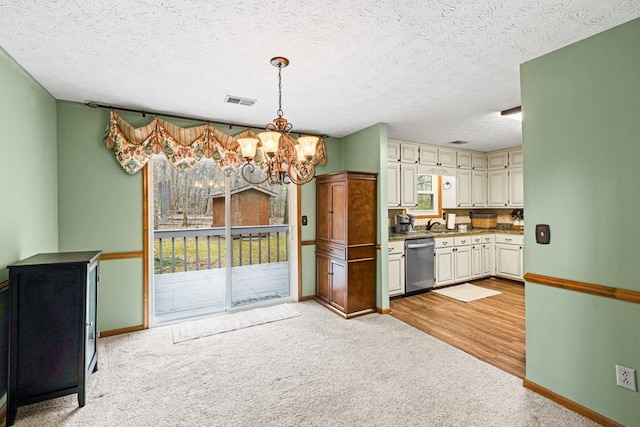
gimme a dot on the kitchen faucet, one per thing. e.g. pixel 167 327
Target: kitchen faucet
pixel 430 224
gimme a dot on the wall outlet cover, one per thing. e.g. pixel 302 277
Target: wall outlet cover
pixel 626 377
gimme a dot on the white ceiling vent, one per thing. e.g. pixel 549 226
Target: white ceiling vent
pixel 239 100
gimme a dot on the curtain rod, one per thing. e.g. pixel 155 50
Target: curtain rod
pixel 176 116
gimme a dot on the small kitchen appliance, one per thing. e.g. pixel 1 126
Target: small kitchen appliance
pixel 405 223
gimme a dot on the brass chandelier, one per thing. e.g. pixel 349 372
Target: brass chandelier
pixel 280 158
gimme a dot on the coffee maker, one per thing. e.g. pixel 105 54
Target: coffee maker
pixel 405 223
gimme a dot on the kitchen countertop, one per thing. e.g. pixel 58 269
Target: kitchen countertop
pixel 421 234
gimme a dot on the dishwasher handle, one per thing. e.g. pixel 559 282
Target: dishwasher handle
pixel 419 245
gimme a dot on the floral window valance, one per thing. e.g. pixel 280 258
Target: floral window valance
pixel 183 147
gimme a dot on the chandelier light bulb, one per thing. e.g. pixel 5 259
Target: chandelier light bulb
pixel 248 147
pixel 269 141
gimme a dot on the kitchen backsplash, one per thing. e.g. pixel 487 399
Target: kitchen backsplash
pixel 462 216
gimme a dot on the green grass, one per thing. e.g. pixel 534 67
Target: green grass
pixel 258 251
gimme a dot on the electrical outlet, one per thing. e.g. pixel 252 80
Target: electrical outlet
pixel 626 377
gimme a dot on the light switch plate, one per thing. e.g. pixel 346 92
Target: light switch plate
pixel 543 234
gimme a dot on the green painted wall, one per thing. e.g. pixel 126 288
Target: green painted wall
pixel 581 138
pixel 347 154
pixel 333 149
pixel 100 207
pixel 366 151
pixel 28 166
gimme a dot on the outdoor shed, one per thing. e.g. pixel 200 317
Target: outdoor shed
pixel 249 206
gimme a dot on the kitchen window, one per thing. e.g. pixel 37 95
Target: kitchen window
pixel 428 196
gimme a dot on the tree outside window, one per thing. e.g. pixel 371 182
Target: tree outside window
pixel 427 191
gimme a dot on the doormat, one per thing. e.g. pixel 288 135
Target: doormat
pixel 231 322
pixel 467 292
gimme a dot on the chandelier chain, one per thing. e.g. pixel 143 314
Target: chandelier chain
pixel 280 113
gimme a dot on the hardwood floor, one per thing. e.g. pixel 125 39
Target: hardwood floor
pixel 491 329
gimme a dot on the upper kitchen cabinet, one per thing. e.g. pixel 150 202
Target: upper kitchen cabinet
pixel 409 153
pixel 402 172
pixel 498 160
pixel 401 185
pixel 505 184
pixel 464 160
pixel 393 184
pixel 516 187
pixel 393 151
pixel 437 156
pixel 516 159
pixel 478 161
pixel 498 188
pixel 406 152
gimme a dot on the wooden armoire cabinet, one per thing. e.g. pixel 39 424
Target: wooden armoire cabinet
pixel 346 214
pixel 52 327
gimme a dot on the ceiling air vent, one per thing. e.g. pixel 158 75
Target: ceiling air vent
pixel 239 100
pixel 459 142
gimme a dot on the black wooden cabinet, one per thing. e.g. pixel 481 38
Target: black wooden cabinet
pixel 52 327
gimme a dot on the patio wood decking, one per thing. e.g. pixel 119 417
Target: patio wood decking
pixel 185 294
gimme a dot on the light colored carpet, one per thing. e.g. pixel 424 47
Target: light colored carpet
pixel 230 322
pixel 316 369
pixel 467 292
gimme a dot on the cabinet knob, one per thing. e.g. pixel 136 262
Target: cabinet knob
pixel 90 324
pixel 329 274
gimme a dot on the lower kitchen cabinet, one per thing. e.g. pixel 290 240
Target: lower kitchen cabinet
pixel 444 263
pixel 396 268
pixel 462 256
pixel 509 256
pixel 482 256
pixel 453 260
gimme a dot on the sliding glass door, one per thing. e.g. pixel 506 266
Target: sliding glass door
pixel 219 242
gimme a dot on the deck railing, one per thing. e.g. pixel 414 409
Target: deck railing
pixel 193 249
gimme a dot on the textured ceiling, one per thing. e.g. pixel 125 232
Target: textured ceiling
pixel 434 70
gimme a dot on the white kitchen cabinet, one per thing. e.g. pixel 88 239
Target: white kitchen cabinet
pixel 479 161
pixel 516 187
pixel 409 153
pixel 393 151
pixel 429 155
pixel 444 262
pixel 463 188
pixel 393 185
pixel 452 260
pixel 396 268
pixel 498 188
pixel 488 261
pixel 482 255
pixel 462 263
pixel 477 264
pixel 408 182
pixel 437 156
pixel 402 174
pixel 509 256
pixel 399 151
pixel 464 160
pixel 498 160
pixel 478 188
pixel 516 158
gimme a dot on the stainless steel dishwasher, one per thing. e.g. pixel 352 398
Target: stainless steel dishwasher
pixel 418 265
